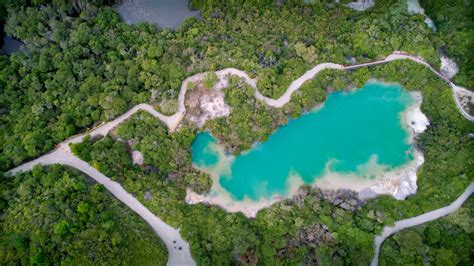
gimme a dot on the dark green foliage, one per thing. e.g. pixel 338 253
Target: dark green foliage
pixel 169 153
pixel 110 157
pixel 166 151
pixel 281 42
pixel 56 216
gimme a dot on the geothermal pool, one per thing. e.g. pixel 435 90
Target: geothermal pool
pixel 360 133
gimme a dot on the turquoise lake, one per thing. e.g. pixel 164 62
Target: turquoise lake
pixel 351 130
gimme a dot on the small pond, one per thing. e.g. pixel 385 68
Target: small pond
pixel 11 45
pixel 163 13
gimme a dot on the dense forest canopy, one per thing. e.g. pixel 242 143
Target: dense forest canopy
pixel 55 215
pixel 84 65
pixel 447 241
pixel 455 27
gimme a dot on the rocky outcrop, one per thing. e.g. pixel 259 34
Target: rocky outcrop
pixel 343 198
pixel 313 237
pixel 449 68
pixel 465 100
pixel 147 196
pixel 316 235
pixel 137 158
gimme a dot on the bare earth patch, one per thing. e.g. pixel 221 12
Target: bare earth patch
pixel 448 67
pixel 203 104
pixel 137 158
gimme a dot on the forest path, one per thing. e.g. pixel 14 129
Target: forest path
pixel 178 249
pixel 420 219
pixel 63 155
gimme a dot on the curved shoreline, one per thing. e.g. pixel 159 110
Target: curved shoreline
pixel 59 154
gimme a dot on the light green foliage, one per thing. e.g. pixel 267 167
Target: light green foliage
pixel 308 54
pixel 169 107
pixel 210 80
pixel 191 85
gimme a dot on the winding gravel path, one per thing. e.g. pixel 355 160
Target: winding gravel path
pixel 308 75
pixel 178 249
pixel 63 155
pixel 420 219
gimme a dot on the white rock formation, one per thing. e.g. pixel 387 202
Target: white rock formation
pixel 414 118
pixel 137 158
pixel 464 100
pixel 414 7
pixel 449 68
pixel 212 106
pixel 398 184
pixel 417 120
pixel 211 103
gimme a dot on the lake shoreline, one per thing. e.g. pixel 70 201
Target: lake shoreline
pixel 399 182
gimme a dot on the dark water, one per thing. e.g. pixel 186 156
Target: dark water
pixel 11 45
pixel 164 13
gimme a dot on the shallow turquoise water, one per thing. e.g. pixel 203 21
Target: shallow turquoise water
pixel 345 134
